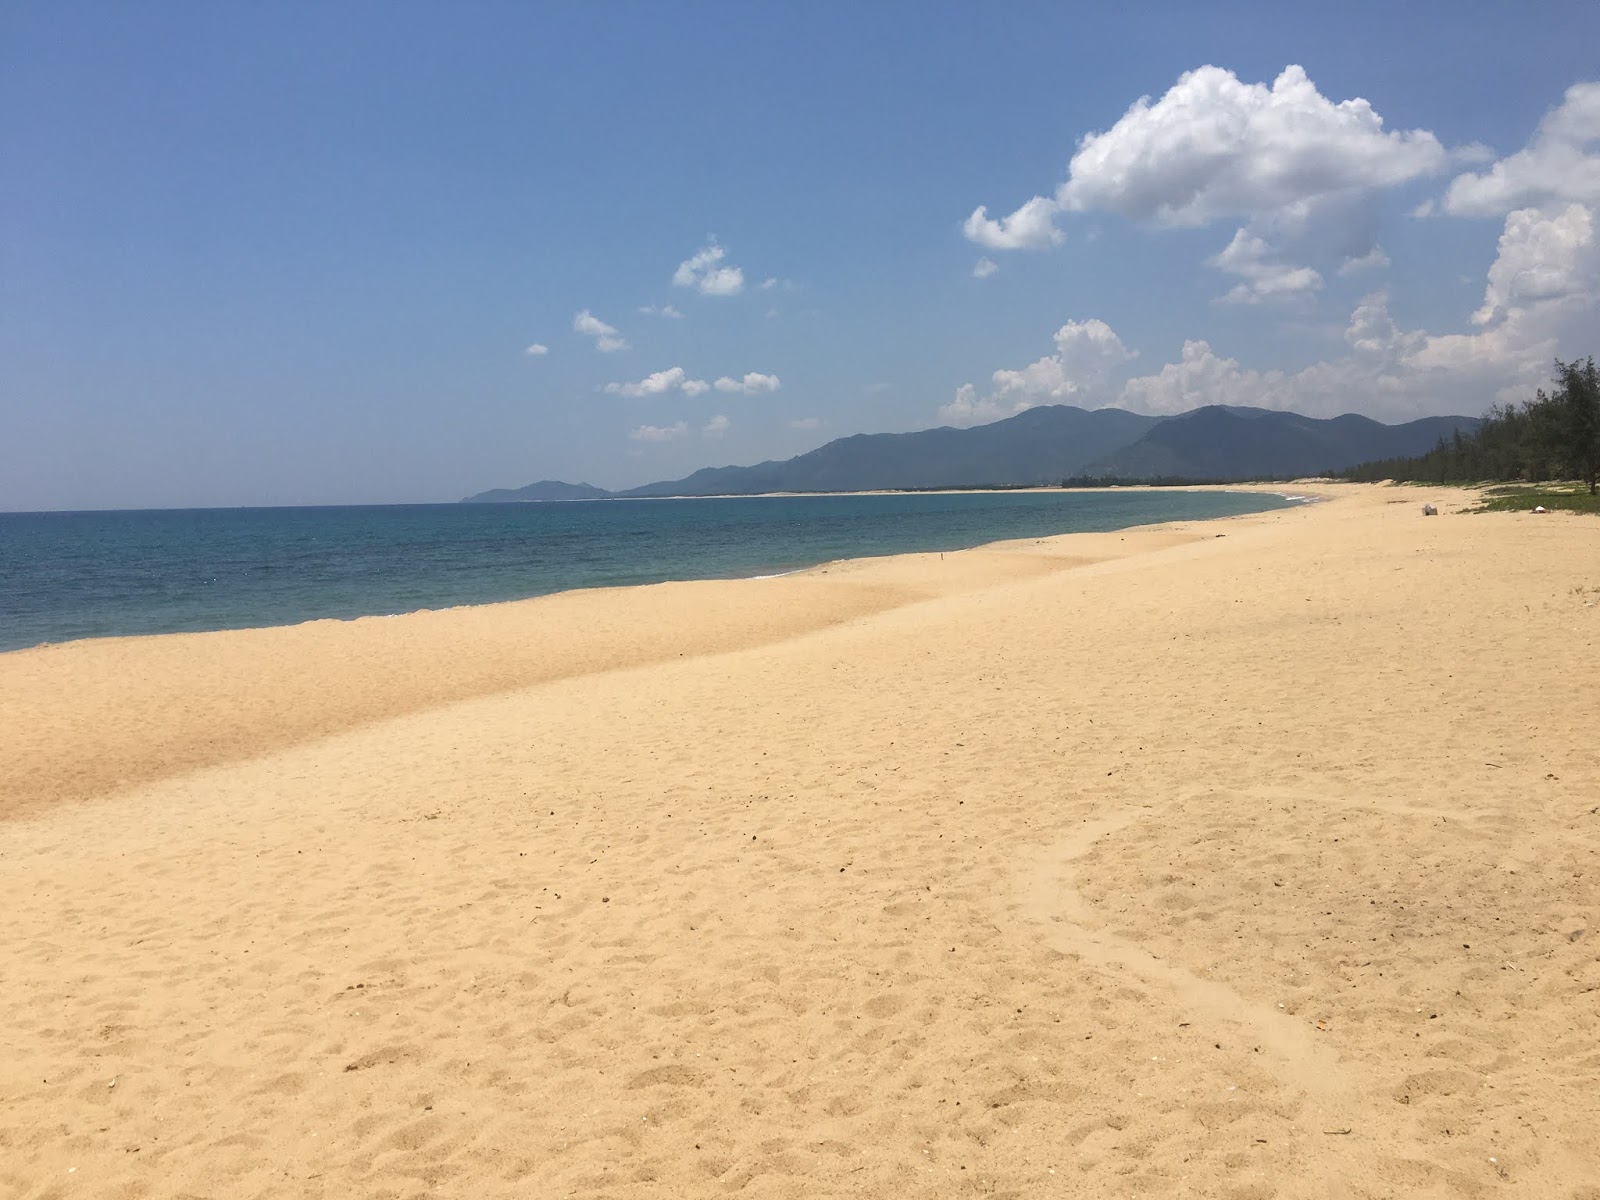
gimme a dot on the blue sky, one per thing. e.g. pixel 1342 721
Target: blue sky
pixel 288 253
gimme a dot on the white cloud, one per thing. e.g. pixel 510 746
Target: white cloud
pixel 1390 374
pixel 707 274
pixel 658 433
pixel 1373 332
pixel 1087 352
pixel 754 383
pixel 1544 284
pixel 968 408
pixel 661 310
pixel 1199 378
pixel 984 268
pixel 715 427
pixel 773 281
pixel 1560 164
pixel 1284 158
pixel 1472 154
pixel 537 350
pixel 1540 300
pixel 724 281
pixel 1031 227
pixel 1265 278
pixel 1214 147
pixel 1542 258
pixel 1373 260
pixel 606 338
pixel 659 383
pixel 1396 374
pixel 805 423
pixel 1301 177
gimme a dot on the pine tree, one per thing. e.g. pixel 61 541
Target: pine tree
pixel 1577 411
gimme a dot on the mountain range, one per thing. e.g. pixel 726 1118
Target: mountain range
pixel 1220 443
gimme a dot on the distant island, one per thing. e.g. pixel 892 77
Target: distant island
pixel 1048 445
pixel 545 489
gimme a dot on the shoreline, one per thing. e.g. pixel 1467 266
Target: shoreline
pixel 1245 489
pixel 949 491
pixel 1128 487
pixel 154 675
pixel 1256 856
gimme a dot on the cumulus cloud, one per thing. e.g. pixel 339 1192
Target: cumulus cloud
pixel 1301 176
pixel 1265 277
pixel 1544 284
pixel 1397 374
pixel 715 427
pixel 984 268
pixel 1214 147
pixel 660 383
pixel 1373 260
pixel 753 384
pixel 537 350
pixel 1560 164
pixel 606 338
pixel 1087 352
pixel 708 274
pixel 1540 299
pixel 1293 164
pixel 1198 378
pixel 1542 257
pixel 658 433
pixel 1031 227
pixel 968 408
pixel 1373 332
pixel 1471 154
pixel 805 423
pixel 661 310
pixel 1542 295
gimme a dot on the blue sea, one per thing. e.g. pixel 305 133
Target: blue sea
pixel 100 574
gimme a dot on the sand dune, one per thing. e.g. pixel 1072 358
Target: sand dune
pixel 1150 864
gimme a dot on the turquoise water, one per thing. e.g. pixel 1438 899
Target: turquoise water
pixel 99 574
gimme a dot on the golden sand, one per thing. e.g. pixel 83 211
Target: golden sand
pixel 1245 858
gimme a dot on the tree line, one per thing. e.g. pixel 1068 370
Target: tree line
pixel 1556 435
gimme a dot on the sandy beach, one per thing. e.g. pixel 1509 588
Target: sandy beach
pixel 1246 858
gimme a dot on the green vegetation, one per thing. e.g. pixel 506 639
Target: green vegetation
pixel 1573 498
pixel 1552 436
